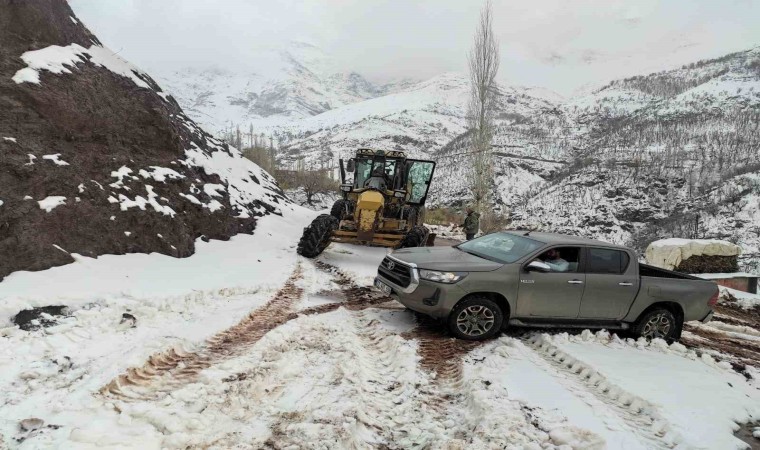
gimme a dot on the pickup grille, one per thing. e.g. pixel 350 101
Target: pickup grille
pixel 400 274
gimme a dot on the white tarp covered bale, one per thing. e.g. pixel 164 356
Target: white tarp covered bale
pixel 670 253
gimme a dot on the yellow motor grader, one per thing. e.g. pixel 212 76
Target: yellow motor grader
pixel 383 205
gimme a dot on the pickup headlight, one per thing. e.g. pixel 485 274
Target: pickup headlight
pixel 442 277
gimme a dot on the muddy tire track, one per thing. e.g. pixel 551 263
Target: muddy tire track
pixel 166 370
pixel 747 317
pixel 440 353
pixel 740 353
pixel 734 350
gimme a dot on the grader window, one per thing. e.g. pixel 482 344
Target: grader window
pixel 369 167
pixel 420 174
pixel 363 171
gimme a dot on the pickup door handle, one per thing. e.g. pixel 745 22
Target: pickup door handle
pixel 625 283
pixel 575 282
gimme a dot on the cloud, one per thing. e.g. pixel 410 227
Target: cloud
pixel 553 43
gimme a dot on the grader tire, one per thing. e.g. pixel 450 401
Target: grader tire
pixel 414 215
pixel 416 237
pixel 340 209
pixel 316 237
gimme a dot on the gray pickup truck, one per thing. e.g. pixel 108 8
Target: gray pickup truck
pixel 543 280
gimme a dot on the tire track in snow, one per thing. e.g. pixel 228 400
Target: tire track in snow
pixel 440 353
pixel 164 371
pixel 638 414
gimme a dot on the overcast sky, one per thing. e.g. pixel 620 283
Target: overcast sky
pixel 559 44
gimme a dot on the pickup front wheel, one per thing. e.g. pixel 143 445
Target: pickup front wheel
pixel 475 319
pixel 657 323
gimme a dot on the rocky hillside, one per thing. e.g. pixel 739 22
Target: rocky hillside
pixel 670 153
pixel 95 158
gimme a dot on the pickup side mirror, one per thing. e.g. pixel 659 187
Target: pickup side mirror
pixel 538 266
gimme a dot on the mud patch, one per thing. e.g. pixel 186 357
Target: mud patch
pixel 745 435
pixel 440 353
pixel 736 350
pixel 739 352
pixel 42 317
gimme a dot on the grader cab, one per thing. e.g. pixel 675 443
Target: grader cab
pixel 382 205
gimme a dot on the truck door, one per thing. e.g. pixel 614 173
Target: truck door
pixel 611 283
pixel 555 294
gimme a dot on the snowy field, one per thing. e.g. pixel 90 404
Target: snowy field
pixel 247 345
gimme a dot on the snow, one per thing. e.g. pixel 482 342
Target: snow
pixel 31 160
pixel 745 299
pixel 157 277
pixel 140 202
pixel 717 276
pixel 51 202
pixel 246 182
pixel 360 262
pixel 9 139
pixel 213 190
pixel 668 253
pixel 193 199
pixel 123 171
pixel 56 159
pixel 160 174
pixel 1 203
pixel 693 400
pixel 346 378
pixel 60 60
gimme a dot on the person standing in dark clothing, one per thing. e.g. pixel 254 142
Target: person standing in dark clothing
pixel 471 223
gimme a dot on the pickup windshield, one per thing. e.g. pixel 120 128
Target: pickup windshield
pixel 505 248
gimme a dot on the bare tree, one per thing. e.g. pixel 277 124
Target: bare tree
pixel 483 60
pixel 314 182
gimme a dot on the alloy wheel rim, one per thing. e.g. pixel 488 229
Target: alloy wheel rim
pixel 658 326
pixel 475 320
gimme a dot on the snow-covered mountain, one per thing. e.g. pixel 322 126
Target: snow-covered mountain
pixel 623 162
pixel 670 153
pixel 293 82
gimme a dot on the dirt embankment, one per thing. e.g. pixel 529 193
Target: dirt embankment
pixel 97 122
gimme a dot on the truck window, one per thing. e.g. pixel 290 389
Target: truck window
pixel 605 260
pixel 561 259
pixel 501 247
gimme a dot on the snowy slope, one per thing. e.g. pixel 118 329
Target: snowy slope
pixel 292 83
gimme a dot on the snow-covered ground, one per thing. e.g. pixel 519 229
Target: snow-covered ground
pixel 247 345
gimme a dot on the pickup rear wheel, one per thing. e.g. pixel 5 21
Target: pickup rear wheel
pixel 657 323
pixel 475 319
